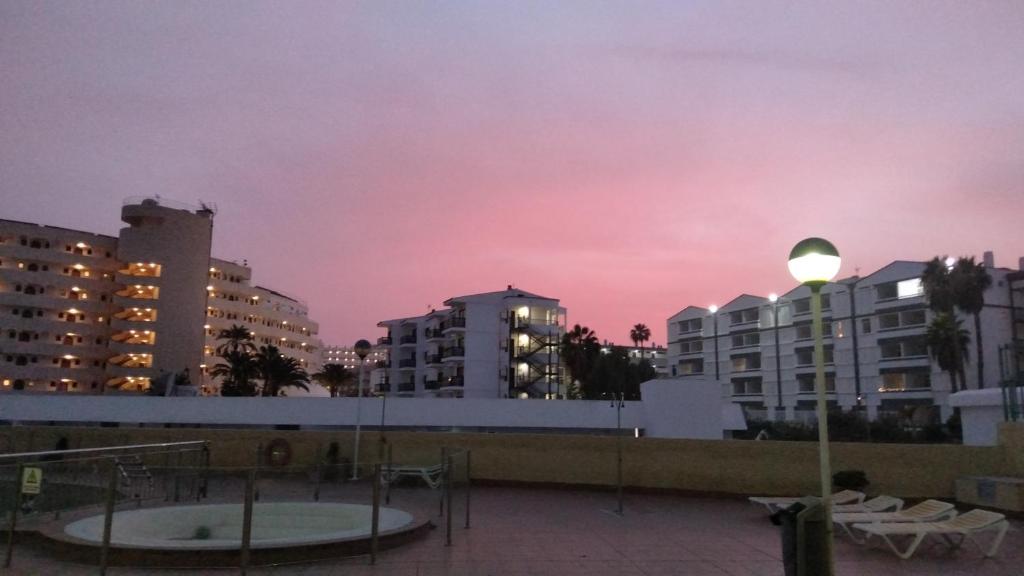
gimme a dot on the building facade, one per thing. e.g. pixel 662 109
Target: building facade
pixel 492 345
pixel 761 350
pixel 656 355
pixel 89 313
pixel 272 318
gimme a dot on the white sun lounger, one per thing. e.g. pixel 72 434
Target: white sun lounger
pixel 430 474
pixel 877 504
pixel 774 503
pixel 927 511
pixel 953 531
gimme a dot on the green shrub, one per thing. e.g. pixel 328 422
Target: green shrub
pixel 202 533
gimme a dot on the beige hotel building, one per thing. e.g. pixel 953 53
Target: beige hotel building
pixel 88 313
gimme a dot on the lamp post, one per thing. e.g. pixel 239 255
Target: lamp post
pixel 714 320
pixel 618 402
pixel 813 262
pixel 383 410
pixel 362 348
pixel 779 409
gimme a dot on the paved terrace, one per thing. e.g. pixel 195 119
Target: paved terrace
pixel 521 531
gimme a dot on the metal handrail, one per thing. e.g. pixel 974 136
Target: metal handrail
pixel 108 449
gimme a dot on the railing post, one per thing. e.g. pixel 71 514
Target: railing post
pixel 375 523
pixel 16 504
pixel 469 481
pixel 256 470
pixel 444 462
pixel 250 493
pixel 318 470
pixel 448 497
pixel 206 470
pixel 177 476
pixel 108 516
pixel 387 489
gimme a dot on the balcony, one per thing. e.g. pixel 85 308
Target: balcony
pixel 407 363
pixel 407 339
pixel 384 341
pixel 409 386
pixel 453 324
pixel 453 352
pixel 383 387
pixel 434 334
pixel 453 382
pixel 431 383
pixel 433 358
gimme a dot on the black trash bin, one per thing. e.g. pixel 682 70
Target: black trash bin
pixel 803 537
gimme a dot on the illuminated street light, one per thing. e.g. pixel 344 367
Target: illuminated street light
pixel 814 262
pixel 362 348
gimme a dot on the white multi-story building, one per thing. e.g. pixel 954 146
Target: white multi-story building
pixel 272 318
pixel 761 349
pixel 492 345
pixel 88 313
pixel 654 354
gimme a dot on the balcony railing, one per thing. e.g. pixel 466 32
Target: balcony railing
pixel 384 341
pixel 431 384
pixel 434 333
pixel 433 358
pixel 383 387
pixel 454 381
pixel 453 323
pixel 407 363
pixel 407 339
pixel 453 351
pixel 409 386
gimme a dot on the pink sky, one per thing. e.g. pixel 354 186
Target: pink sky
pixel 628 158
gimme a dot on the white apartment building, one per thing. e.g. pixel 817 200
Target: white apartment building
pixel 656 355
pixel 761 349
pixel 89 313
pixel 272 317
pixel 373 377
pixel 492 345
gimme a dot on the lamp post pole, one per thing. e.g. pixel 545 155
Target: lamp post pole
pixel 714 320
pixel 383 410
pixel 362 348
pixel 779 409
pixel 814 262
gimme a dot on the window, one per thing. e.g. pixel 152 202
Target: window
pixel 691 346
pixel 803 305
pixel 748 339
pixel 806 331
pixel 903 348
pixel 746 362
pixel 692 325
pixel 746 386
pixel 805 356
pixel 909 288
pixel 695 366
pixel 901 381
pixel 865 325
pixel 902 319
pixel 744 316
pixel 805 383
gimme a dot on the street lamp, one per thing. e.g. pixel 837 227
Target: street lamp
pixel 618 402
pixel 714 320
pixel 813 262
pixel 362 348
pixel 779 409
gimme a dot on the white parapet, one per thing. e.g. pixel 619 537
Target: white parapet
pixel 981 411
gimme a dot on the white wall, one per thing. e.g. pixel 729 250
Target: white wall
pixel 669 409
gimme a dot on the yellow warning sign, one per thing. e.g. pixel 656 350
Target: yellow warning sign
pixel 31 480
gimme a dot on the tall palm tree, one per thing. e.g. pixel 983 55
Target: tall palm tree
pixel 947 344
pixel 278 371
pixel 970 280
pixel 236 373
pixel 337 379
pixel 237 338
pixel 938 286
pixel 579 351
pixel 640 334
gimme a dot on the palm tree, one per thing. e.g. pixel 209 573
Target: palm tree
pixel 969 281
pixel 337 379
pixel 640 334
pixel 947 343
pixel 579 350
pixel 237 338
pixel 938 289
pixel 278 371
pixel 938 286
pixel 236 373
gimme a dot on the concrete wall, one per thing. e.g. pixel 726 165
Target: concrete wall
pixel 720 467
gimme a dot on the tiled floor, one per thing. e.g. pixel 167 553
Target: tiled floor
pixel 520 532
